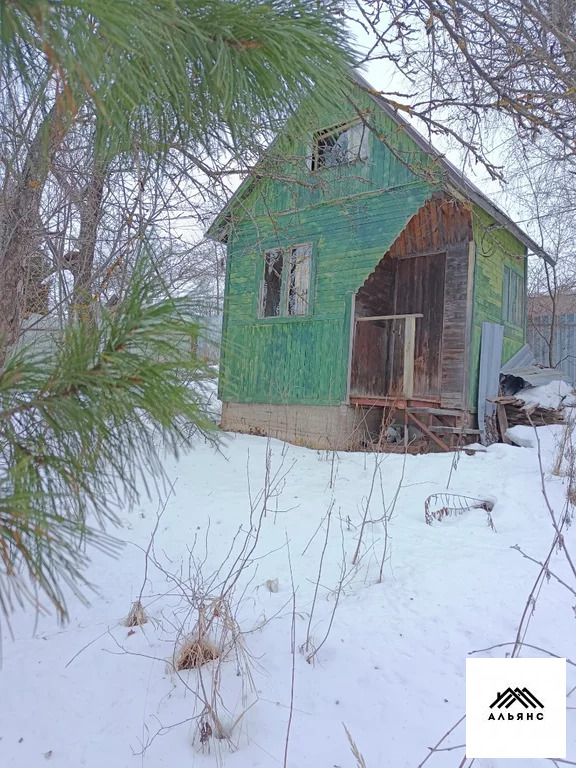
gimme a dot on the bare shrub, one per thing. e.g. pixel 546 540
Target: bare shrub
pixel 210 657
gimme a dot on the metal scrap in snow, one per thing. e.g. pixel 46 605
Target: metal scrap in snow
pixel 441 505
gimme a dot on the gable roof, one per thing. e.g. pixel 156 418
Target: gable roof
pixel 455 182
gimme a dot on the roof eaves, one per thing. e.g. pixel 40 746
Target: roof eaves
pixel 455 177
pixel 456 182
pixel 219 229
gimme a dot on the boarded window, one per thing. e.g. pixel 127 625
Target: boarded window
pixel 513 298
pixel 271 300
pixel 338 146
pixel 285 289
pixel 299 280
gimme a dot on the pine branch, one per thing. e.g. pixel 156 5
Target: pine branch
pixel 81 430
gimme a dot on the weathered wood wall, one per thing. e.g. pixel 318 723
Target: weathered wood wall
pixel 424 272
pixel 305 359
pixel 352 215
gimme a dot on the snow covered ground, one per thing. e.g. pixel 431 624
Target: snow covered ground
pixel 391 647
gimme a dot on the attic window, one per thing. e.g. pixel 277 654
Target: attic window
pixel 285 289
pixel 339 146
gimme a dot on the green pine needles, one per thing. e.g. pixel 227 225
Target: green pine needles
pixel 212 73
pixel 82 426
pixel 82 430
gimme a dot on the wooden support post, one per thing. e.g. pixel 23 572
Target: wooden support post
pixel 409 337
pixel 425 429
pixel 502 422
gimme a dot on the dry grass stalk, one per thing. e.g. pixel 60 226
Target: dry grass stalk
pixel 360 762
pixel 193 653
pixel 272 585
pixel 137 616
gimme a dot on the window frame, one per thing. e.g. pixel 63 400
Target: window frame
pixel 282 252
pixel 313 166
pixel 520 281
pixel 284 315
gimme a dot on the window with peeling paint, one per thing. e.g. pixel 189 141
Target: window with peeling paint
pixel 513 298
pixel 272 284
pixel 285 288
pixel 299 279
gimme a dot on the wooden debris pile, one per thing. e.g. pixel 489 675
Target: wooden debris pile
pixel 511 411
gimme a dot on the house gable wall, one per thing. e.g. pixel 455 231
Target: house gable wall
pixel 288 184
pixel 351 214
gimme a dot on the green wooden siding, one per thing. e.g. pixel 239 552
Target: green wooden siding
pixel 351 214
pixel 305 359
pixel 288 185
pixel 495 249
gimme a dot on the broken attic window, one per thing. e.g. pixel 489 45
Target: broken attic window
pixel 272 283
pixel 339 146
pixel 299 280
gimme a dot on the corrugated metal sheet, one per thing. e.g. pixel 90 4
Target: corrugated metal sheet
pixel 524 358
pixel 489 378
pixel 564 346
pixel 535 376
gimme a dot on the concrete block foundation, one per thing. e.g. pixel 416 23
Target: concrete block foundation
pixel 327 427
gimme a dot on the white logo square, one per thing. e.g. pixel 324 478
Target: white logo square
pixel 516 708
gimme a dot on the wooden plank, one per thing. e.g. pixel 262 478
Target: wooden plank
pixel 420 289
pixel 374 370
pixel 387 317
pixel 350 346
pixel 453 430
pixel 502 422
pixel 454 338
pixel 417 255
pixel 436 411
pixel 391 402
pixel 425 429
pixel 469 318
pixel 409 339
pixel 378 401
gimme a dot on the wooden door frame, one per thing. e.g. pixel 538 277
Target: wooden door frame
pixel 438 252
pixel 351 333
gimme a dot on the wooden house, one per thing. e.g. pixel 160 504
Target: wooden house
pixel 361 267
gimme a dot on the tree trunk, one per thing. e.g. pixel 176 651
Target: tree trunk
pixel 552 285
pixel 20 226
pixel 83 263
